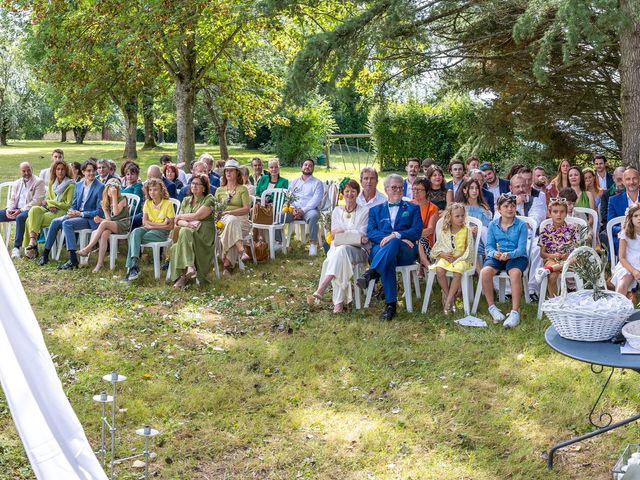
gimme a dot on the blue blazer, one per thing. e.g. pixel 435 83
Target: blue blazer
pixel 408 222
pixel 92 206
pixel 617 206
pixel 171 187
pixel 504 185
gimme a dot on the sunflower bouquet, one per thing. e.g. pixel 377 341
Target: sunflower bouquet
pixel 289 199
pixel 219 208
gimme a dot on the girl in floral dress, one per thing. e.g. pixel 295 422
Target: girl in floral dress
pixel 556 241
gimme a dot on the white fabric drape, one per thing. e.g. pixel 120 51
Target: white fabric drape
pixel 50 431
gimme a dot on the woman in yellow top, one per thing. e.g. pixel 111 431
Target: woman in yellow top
pixel 157 221
pixel 58 200
pixel 454 251
pixel 236 217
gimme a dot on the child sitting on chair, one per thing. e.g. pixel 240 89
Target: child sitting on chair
pixel 626 274
pixel 454 251
pixel 556 242
pixel 506 251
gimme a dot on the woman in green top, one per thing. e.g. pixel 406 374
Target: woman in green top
pixel 116 220
pixel 193 250
pixel 273 180
pixel 576 182
pixel 58 200
pixel 235 195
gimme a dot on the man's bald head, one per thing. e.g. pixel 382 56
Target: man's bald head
pixel 154 172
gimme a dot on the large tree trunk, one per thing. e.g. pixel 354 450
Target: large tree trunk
pixel 130 111
pixel 104 134
pixel 147 115
pixel 185 99
pixel 630 87
pixel 160 136
pixel 3 138
pixel 63 135
pixel 79 133
pixel 221 130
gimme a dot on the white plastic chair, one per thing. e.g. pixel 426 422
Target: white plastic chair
pixel 545 280
pixel 594 222
pixel 133 201
pixel 277 201
pixel 6 190
pixel 248 239
pixel 407 272
pixel 503 276
pixel 467 276
pixel 613 258
pixel 156 246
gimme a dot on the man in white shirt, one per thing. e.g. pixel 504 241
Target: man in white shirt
pixel 309 192
pixel 456 169
pixel 527 204
pixel 27 192
pixel 605 179
pixel 369 195
pixel 56 154
pixel 412 169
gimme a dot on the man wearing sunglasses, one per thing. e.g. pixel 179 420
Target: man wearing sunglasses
pixel 394 228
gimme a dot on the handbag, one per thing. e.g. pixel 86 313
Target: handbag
pixel 262 215
pixel 350 237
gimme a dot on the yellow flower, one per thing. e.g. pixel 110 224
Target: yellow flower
pixel 328 237
pixel 340 196
pixel 220 225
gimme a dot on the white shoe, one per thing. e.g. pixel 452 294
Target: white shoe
pixel 512 320
pixel 277 246
pixel 313 250
pixel 496 314
pixel 540 274
pixel 15 253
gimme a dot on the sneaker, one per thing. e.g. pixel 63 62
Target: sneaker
pixel 496 314
pixel 134 273
pixel 15 253
pixel 540 274
pixel 313 250
pixel 512 320
pixel 165 266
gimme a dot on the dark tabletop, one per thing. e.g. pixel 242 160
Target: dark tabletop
pixel 598 353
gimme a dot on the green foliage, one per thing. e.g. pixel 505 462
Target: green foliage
pixel 412 129
pixel 306 132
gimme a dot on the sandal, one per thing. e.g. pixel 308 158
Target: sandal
pixel 181 282
pixel 190 273
pixel 31 251
pixel 315 299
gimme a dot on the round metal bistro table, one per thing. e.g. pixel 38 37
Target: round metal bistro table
pixel 599 355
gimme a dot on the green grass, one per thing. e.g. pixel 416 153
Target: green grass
pixel 245 381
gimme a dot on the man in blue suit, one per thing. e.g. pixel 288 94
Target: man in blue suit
pixel 497 186
pixel 85 207
pixel 394 228
pixel 619 203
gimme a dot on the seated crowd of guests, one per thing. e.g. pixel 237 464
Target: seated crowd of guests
pixel 419 219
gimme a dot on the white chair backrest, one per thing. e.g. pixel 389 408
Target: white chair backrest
pixel 613 258
pixel 6 189
pixel 595 221
pixel 253 201
pixel 470 221
pixel 533 225
pixel 176 204
pixel 133 200
pixel 569 220
pixel 277 201
pixel 330 199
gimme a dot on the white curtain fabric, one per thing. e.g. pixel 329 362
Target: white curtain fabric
pixel 51 433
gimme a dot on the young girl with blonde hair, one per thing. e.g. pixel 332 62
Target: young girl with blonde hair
pixel 453 250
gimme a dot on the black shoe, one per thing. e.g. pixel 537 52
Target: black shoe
pixel 68 265
pixel 363 281
pixel 389 312
pixel 43 260
pixel 165 266
pixel 534 297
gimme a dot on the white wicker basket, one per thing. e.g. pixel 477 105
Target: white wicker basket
pixel 575 318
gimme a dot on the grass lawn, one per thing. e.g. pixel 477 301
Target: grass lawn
pixel 246 382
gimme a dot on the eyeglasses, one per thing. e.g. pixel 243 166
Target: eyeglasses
pixel 396 188
pixel 558 200
pixel 418 190
pixel 196 184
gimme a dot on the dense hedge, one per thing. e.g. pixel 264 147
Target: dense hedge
pixel 412 129
pixel 306 133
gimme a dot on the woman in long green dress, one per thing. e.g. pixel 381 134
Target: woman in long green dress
pixel 57 202
pixel 576 181
pixel 236 216
pixel 193 250
pixel 116 220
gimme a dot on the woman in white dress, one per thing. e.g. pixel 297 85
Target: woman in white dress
pixel 337 269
